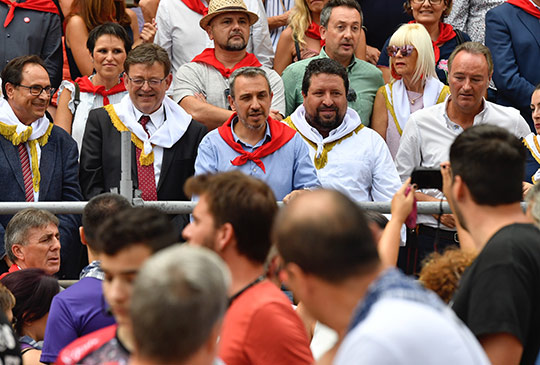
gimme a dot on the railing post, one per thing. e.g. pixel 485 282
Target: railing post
pixel 126 184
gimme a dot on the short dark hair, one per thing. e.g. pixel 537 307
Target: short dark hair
pixel 476 48
pixel 12 73
pixel 18 227
pixel 130 227
pixel 333 243
pixel 33 290
pixel 148 54
pixel 324 66
pixel 491 162
pixel 327 9
pixel 247 72
pixel 247 203
pixel 97 210
pixel 537 87
pixel 109 28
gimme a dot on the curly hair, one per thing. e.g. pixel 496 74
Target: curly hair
pixel 441 273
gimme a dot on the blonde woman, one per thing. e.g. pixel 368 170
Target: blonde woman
pixel 414 84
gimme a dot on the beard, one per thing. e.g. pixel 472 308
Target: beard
pixel 235 45
pixel 325 124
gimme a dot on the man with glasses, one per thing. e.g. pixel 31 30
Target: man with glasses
pixel 38 161
pixel 164 137
pixel 341 25
pixel 202 86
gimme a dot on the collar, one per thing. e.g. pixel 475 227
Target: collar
pixel 157 118
pixel 351 65
pixel 454 126
pixel 267 135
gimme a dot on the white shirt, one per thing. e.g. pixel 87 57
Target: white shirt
pixel 179 33
pixel 398 331
pixel 196 77
pixel 429 133
pixel 157 119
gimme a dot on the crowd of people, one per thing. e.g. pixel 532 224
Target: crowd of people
pixel 239 105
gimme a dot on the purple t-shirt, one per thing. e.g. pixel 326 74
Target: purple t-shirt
pixel 75 312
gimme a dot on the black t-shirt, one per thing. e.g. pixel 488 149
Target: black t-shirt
pixel 500 291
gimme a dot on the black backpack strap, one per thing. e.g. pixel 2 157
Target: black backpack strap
pixel 459 35
pixel 76 97
pixel 297 48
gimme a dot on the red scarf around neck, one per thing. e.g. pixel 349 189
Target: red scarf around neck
pixel 281 134
pixel 446 32
pixel 87 86
pixel 197 6
pixel 46 6
pixel 208 56
pixel 526 6
pixel 314 32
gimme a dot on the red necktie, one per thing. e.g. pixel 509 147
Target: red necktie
pixel 27 173
pixel 145 174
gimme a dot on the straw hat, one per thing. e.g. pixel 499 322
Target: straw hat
pixel 217 7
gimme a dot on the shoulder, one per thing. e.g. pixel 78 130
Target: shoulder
pixel 85 345
pixel 366 67
pixel 501 10
pixel 296 68
pixel 60 135
pixel 74 23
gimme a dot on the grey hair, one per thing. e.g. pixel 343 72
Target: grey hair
pixel 18 227
pixel 179 295
pixel 327 10
pixel 533 200
pixel 247 72
pixel 472 48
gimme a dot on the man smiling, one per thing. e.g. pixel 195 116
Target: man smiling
pixel 164 135
pixel 254 143
pixel 38 161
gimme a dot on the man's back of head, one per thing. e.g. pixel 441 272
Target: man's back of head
pixel 491 162
pixel 327 235
pixel 180 290
pixel 246 203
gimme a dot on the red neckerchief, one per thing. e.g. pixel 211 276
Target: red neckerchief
pixel 446 32
pixel 209 57
pixel 86 86
pixel 526 6
pixel 197 6
pixel 280 132
pixel 13 268
pixel 46 6
pixel 314 32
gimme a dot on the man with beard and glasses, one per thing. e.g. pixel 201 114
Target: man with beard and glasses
pixel 348 156
pixel 202 86
pixel 256 144
pixel 38 160
pixel 498 297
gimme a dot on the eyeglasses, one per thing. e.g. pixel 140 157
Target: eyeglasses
pixel 432 2
pixel 139 82
pixel 405 50
pixel 36 90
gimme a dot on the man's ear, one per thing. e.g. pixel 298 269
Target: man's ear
pixel 10 88
pixel 18 251
pixel 210 32
pixel 460 189
pixel 231 103
pixel 225 237
pixel 322 30
pixel 83 237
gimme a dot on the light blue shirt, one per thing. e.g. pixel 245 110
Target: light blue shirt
pixel 287 169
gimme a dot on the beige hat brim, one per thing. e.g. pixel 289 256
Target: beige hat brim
pixel 206 19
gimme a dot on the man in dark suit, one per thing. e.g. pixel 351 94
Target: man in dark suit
pixel 38 161
pixel 164 135
pixel 513 37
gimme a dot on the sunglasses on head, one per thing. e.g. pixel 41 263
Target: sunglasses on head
pixel 405 50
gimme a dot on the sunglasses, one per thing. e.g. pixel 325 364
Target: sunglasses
pixel 405 50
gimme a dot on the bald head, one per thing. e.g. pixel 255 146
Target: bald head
pixel 326 234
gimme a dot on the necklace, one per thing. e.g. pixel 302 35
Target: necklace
pixel 254 282
pixel 414 100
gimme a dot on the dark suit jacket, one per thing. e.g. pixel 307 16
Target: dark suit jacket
pixel 100 159
pixel 58 167
pixel 513 37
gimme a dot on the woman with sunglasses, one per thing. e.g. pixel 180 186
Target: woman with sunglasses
pixel 445 38
pixel 108 45
pixel 414 83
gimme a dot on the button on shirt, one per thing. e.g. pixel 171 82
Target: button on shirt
pixel 287 169
pixel 157 119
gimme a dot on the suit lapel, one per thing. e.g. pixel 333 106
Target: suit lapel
pixel 13 159
pixel 531 23
pixel 46 167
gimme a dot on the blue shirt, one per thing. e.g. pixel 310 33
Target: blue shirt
pixel 287 169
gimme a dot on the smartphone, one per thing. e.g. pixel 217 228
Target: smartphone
pixel 427 178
